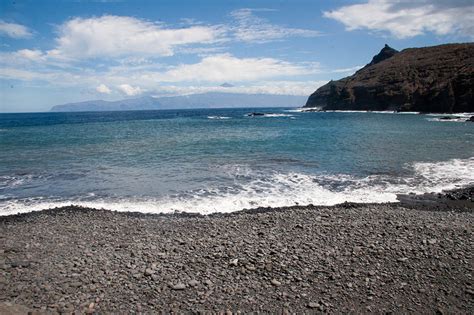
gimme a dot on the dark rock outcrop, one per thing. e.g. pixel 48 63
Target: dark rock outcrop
pixel 437 79
pixel 255 114
pixel 385 53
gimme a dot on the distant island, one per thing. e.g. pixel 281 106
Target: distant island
pixel 437 79
pixel 203 100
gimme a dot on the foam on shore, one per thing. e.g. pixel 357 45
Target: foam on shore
pixel 275 190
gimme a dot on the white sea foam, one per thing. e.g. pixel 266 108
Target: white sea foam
pixel 465 115
pixel 218 117
pixel 16 180
pixel 268 115
pixel 319 110
pixel 458 117
pixel 278 190
pixel 452 119
pixel 278 115
pixel 304 110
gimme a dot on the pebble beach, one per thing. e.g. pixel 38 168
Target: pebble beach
pixel 354 258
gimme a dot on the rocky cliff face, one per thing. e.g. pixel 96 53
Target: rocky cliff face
pixel 437 79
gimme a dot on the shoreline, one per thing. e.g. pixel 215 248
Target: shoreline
pixel 457 200
pixel 395 257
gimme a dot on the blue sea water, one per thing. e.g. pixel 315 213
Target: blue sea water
pixel 221 160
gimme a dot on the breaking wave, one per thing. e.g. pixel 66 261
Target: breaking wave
pixel 218 117
pixel 252 189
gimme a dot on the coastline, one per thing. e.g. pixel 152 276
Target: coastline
pixel 400 257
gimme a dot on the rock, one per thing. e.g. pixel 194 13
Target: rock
pixel 311 110
pixel 8 308
pixel 179 286
pixel 76 284
pixel 283 270
pixel 22 264
pixel 313 305
pixel 404 81
pixel 234 262
pixel 149 272
pixel 276 283
pixel 385 53
pixel 471 119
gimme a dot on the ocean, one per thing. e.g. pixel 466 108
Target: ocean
pixel 222 160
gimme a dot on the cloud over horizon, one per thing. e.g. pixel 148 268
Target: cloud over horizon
pixel 129 90
pixel 103 89
pixel 226 67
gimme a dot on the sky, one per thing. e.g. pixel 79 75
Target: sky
pixel 55 52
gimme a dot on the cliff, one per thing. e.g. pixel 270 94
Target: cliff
pixel 438 79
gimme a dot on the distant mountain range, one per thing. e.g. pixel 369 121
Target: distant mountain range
pixel 204 100
pixel 436 79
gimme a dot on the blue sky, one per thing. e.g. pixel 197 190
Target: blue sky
pixel 54 52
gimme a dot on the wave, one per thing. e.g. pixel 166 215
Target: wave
pixel 319 110
pixel 278 115
pixel 218 117
pixel 457 119
pixel 365 111
pixel 268 115
pixel 304 110
pixel 254 189
pixel 7 181
pixel 464 115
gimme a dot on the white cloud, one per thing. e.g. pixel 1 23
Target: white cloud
pixel 129 90
pixel 225 67
pixel 55 77
pixel 301 88
pixel 14 30
pixel 125 49
pixel 210 70
pixel 23 56
pixel 251 28
pixel 346 70
pixel 104 89
pixel 405 19
pixel 113 36
pixel 61 78
pixel 32 55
